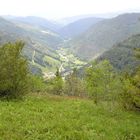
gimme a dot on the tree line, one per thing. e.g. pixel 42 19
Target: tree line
pixel 100 81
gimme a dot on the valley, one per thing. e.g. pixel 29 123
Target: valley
pixel 70 70
pixel 66 61
pixel 45 49
pixel 49 45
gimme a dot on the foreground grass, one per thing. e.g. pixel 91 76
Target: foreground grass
pixel 58 118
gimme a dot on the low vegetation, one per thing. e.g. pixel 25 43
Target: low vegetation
pixel 100 104
pixel 45 117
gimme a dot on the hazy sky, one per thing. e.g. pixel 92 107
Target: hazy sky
pixel 65 8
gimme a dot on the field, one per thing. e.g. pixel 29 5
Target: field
pixel 45 117
pixel 62 59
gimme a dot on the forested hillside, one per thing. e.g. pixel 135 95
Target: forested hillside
pixel 103 35
pixel 42 43
pixel 122 56
pixel 46 50
pixel 39 43
pixel 37 22
pixel 78 27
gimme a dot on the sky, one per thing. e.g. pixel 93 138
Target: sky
pixel 57 9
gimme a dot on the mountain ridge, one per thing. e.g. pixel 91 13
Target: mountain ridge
pixel 122 55
pixel 105 34
pixel 78 27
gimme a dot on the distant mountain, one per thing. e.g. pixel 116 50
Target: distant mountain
pixel 10 32
pixel 79 26
pixel 69 20
pixel 90 37
pixel 38 22
pixel 122 56
pixel 103 35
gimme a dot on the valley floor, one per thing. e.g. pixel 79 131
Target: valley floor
pixel 45 117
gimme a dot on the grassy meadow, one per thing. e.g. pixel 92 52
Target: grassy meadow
pixel 46 117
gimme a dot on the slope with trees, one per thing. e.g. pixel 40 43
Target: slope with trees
pixel 43 43
pixel 78 27
pixel 122 55
pixel 103 35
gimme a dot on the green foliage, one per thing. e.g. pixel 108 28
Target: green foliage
pixel 55 85
pixel 103 84
pixel 127 93
pixel 74 86
pixel 37 84
pixel 41 117
pixel 136 83
pixel 137 51
pixel 130 96
pixel 101 81
pixel 122 56
pixel 13 70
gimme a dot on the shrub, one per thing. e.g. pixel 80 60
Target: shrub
pixel 55 85
pixel 74 86
pixel 13 70
pixel 101 81
pixel 37 84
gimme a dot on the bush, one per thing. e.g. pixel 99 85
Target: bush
pixel 101 81
pixel 56 85
pixel 13 71
pixel 130 97
pixel 136 83
pixel 126 95
pixel 37 84
pixel 129 94
pixel 74 86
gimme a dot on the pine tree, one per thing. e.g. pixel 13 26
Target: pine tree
pixel 58 83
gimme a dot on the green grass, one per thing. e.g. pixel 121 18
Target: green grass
pixel 58 118
pixel 53 64
pixel 73 61
pixel 52 61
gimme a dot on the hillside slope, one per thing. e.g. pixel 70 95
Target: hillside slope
pixel 122 56
pixel 42 47
pixel 43 43
pixel 59 118
pixel 79 26
pixel 38 22
pixel 103 35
